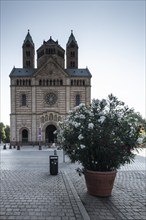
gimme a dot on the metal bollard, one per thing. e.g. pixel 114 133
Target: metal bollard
pixel 10 147
pixel 55 152
pixel 18 147
pixel 4 147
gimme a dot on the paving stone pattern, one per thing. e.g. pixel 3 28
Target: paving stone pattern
pixel 29 192
pixel 128 200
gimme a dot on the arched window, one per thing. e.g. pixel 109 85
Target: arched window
pixel 75 82
pixel 61 82
pixel 47 51
pixel 46 117
pixel 72 54
pixel 28 63
pixel 77 100
pixel 51 116
pixel 40 82
pixel 72 64
pixel 23 100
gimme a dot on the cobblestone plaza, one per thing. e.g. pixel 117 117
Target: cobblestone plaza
pixel 29 192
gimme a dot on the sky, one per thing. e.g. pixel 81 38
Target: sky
pixel 110 35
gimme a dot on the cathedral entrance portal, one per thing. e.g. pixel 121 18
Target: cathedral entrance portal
pixel 50 136
pixel 24 136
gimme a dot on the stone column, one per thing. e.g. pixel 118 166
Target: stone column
pixel 88 95
pixel 33 98
pixel 13 99
pixel 68 96
pixel 34 119
pixel 13 126
pixel 13 129
pixel 34 135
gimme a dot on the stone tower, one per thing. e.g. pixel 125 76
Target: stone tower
pixel 28 52
pixel 71 52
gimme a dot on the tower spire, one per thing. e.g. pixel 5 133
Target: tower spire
pixel 28 38
pixel 28 51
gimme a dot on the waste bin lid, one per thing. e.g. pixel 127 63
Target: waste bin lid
pixel 53 157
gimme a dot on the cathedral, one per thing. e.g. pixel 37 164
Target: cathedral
pixel 42 96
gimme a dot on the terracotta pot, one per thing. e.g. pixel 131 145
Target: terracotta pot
pixel 100 183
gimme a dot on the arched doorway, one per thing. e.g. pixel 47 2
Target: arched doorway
pixel 24 136
pixel 50 136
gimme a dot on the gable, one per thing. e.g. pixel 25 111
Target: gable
pixel 51 69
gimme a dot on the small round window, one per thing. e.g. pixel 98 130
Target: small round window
pixel 51 98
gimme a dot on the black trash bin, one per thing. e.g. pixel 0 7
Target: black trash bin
pixel 53 165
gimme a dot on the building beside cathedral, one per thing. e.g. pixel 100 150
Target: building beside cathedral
pixel 42 96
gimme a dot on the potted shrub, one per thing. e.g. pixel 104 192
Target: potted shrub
pixel 101 137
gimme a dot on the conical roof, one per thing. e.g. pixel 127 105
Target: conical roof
pixel 28 38
pixel 71 39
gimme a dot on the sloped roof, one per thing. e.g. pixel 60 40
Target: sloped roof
pixel 71 38
pixel 28 38
pixel 22 72
pixel 26 72
pixel 79 72
pixel 51 41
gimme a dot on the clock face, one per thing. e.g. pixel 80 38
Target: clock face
pixel 51 98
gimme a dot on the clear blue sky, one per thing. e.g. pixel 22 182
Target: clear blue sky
pixel 110 35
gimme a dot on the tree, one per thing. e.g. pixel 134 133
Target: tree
pixel 140 119
pixel 2 132
pixel 7 133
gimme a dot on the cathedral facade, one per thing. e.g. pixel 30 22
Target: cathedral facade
pixel 42 96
